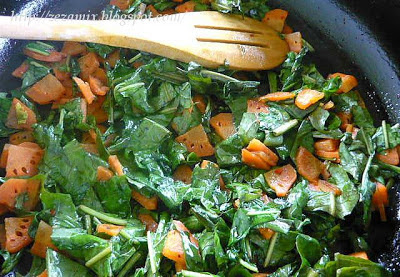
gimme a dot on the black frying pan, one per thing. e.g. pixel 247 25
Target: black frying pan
pixel 353 36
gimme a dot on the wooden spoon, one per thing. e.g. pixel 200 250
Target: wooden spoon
pixel 208 38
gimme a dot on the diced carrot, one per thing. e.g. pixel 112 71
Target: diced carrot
pixel 307 97
pixel 3 210
pixel 20 116
pixel 183 173
pixel 113 58
pixel 152 10
pixel 96 109
pixel 90 148
pixel 104 174
pixel 281 179
pixel 204 164
pixel 60 74
pixel 88 65
pixel 277 96
pixel 349 128
pixel 390 156
pixel 329 155
pixel 20 137
pixel 276 19
pixel 348 82
pixel 168 12
pixel 4 156
pixel 308 166
pixel 149 222
pixel 295 41
pixel 85 89
pixel 196 141
pixel 328 105
pixel 173 246
pixel 101 74
pixel 380 200
pixel 223 123
pixel 179 267
pixel 54 56
pixel 2 237
pixel 148 203
pixel 287 29
pixel 97 87
pixel 13 188
pixel 362 255
pixel 44 274
pixel 346 119
pixel 186 7
pixel 266 233
pixel 43 240
pixel 21 70
pixel 109 229
pixel 46 91
pixel 327 144
pixel 260 274
pixel 137 64
pixel 255 106
pixel 257 146
pixel 116 165
pixel 73 48
pixel 322 185
pixel 122 4
pixel 17 236
pixel 199 101
pixel 177 1
pixel 23 160
pixel 253 160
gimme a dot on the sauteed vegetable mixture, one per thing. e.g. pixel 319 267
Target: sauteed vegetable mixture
pixel 122 163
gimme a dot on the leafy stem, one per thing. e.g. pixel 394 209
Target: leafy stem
pixel 102 216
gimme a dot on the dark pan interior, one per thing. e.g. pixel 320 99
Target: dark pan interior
pixel 352 36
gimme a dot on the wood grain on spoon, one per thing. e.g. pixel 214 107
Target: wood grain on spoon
pixel 208 38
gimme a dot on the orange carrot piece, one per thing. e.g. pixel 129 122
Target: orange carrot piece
pixel 257 146
pixel 154 12
pixel 122 4
pixel 17 236
pixel 96 109
pixel 182 228
pixel 179 267
pixel 308 166
pixel 28 116
pixel 73 48
pixel 60 74
pixel 276 19
pixel 88 65
pixel 183 173
pixel 266 233
pixel 13 188
pixel 150 204
pixel 43 240
pixel 109 229
pixel 328 105
pixel 253 160
pixel 348 82
pixel 199 101
pixel 100 74
pixel 53 57
pixel 116 165
pixel 255 106
pixel 380 200
pixel 85 89
pixel 4 156
pixel 295 41
pixel 346 119
pixel 390 156
pixel 277 96
pixel 23 160
pixel 46 91
pixel 149 222
pixel 322 185
pixel 362 255
pixel 113 58
pixel 104 174
pixel 186 7
pixel 329 155
pixel 3 210
pixel 223 123
pixel 97 87
pixel 21 70
pixel 90 148
pixel 44 274
pixel 281 179
pixel 196 141
pixel 2 237
pixel 308 97
pixel 327 144
pixel 287 29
